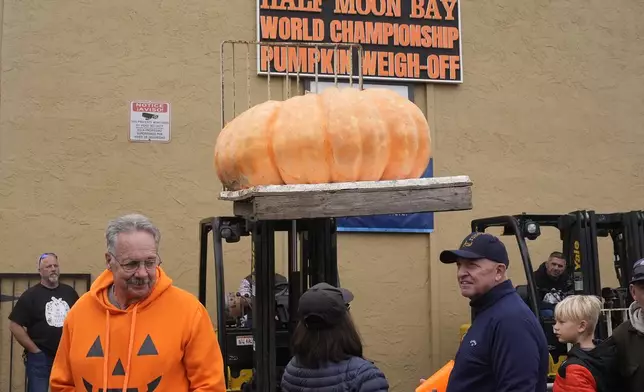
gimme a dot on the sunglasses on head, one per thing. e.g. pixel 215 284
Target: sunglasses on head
pixel 42 256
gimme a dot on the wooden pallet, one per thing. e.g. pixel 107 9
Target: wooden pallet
pixel 277 202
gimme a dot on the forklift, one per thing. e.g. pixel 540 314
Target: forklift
pixel 254 333
pixel 578 231
pixel 252 355
pixel 255 344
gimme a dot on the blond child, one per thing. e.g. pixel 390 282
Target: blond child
pixel 590 367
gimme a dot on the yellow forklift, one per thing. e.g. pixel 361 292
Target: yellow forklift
pixel 254 333
pixel 578 232
pixel 256 353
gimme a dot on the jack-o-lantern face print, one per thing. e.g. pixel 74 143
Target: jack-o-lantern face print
pixel 96 351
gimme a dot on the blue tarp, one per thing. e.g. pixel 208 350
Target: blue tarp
pixel 397 223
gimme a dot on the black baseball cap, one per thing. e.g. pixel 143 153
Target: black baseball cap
pixel 638 271
pixel 323 305
pixel 478 246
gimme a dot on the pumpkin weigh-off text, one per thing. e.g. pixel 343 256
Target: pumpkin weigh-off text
pixel 339 135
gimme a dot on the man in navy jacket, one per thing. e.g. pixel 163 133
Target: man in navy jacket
pixel 505 349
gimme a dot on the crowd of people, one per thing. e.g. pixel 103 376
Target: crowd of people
pixel 135 330
pixel 505 348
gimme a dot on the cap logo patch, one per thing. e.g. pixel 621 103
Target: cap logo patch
pixel 469 240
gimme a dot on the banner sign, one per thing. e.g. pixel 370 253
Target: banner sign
pixel 403 40
pixel 401 223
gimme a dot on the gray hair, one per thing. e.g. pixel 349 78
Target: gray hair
pixel 129 223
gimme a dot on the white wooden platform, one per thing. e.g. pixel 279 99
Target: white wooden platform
pixel 275 202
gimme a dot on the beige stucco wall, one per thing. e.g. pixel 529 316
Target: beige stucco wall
pixel 547 120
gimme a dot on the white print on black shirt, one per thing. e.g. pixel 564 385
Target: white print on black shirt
pixel 56 311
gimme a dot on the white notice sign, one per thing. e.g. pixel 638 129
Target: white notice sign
pixel 149 121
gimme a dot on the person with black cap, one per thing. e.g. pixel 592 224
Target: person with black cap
pixel 628 337
pixel 505 348
pixel 327 347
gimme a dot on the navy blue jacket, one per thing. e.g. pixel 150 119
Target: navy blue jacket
pixel 505 349
pixel 355 374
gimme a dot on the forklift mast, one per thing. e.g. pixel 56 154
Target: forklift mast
pixel 578 232
pixel 628 242
pixel 514 226
pixel 317 262
pixel 626 231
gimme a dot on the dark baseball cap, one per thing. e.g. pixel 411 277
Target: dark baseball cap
pixel 478 246
pixel 638 271
pixel 324 305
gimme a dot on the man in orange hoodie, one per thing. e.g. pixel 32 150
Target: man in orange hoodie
pixel 134 331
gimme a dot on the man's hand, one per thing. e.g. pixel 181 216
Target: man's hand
pixel 20 333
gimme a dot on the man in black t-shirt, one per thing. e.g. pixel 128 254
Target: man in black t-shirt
pixel 37 319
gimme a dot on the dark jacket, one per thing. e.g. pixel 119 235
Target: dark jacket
pixel 504 350
pixel 589 371
pixel 630 356
pixel 355 374
pixel 545 283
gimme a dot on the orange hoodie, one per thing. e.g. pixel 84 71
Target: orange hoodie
pixel 164 343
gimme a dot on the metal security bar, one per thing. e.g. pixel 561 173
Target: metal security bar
pixel 622 316
pixel 12 285
pixel 241 60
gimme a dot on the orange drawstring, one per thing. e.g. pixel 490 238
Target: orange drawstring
pixel 106 349
pixel 129 348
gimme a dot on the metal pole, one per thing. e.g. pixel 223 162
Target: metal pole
pixel 204 228
pixel 221 292
pixel 294 279
pixel 264 310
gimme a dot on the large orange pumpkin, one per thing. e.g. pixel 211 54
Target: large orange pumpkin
pixel 340 135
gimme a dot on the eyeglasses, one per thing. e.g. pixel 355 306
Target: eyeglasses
pixel 133 265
